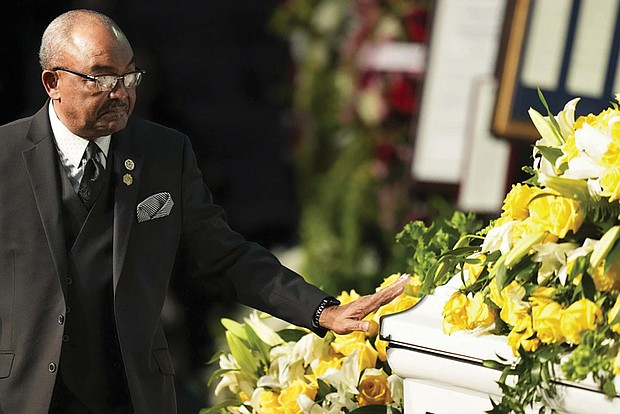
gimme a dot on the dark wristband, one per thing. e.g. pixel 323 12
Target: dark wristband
pixel 325 303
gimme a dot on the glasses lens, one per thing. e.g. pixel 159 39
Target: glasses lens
pixel 133 79
pixel 106 82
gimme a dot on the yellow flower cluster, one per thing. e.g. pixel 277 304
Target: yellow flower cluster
pixel 352 366
pixel 535 210
pixel 536 320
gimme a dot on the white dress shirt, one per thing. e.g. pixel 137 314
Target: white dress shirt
pixel 71 149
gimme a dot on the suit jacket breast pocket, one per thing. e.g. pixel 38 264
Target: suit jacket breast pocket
pixel 6 363
pixel 7 301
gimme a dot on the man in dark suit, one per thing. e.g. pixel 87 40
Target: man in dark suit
pixel 95 208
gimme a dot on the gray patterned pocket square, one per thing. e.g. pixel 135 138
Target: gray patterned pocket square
pixel 155 206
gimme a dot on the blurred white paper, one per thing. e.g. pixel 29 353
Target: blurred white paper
pixel 464 45
pixel 485 171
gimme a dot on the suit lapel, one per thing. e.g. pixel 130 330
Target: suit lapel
pixel 40 160
pixel 127 164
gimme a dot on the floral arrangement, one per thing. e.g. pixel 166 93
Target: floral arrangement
pixel 353 146
pixel 546 273
pixel 272 367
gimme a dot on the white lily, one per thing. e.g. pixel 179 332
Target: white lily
pixel 340 402
pixel 552 257
pixel 310 348
pixel 566 117
pixel 268 381
pixel 592 145
pixel 264 332
pixel 286 366
pixel 309 406
pixel 549 136
pixel 345 379
pixel 583 250
pixel 499 238
pixel 396 389
pixel 229 379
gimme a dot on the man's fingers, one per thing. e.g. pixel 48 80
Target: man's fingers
pixel 352 326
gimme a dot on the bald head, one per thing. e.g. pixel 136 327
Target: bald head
pixel 69 33
pixel 77 48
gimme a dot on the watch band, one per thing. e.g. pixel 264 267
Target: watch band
pixel 325 303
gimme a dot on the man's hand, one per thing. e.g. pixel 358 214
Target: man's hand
pixel 347 318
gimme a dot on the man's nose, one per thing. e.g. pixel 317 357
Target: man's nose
pixel 120 90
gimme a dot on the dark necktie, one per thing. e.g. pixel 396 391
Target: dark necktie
pixel 92 180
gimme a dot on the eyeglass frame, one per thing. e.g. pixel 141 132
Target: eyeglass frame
pixel 95 78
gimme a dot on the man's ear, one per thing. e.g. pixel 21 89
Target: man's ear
pixel 50 83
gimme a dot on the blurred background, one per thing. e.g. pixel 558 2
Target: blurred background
pixel 321 126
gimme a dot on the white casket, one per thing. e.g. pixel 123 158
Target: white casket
pixel 443 374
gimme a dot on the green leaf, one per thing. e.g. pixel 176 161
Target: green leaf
pixel 552 119
pixel 220 408
pixel 589 288
pixel 235 328
pixel 324 389
pixel 257 344
pixel 550 153
pixel 292 335
pixel 243 354
pixel 604 246
pixel 489 363
pixel 609 388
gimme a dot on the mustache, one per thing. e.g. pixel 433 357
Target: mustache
pixel 115 106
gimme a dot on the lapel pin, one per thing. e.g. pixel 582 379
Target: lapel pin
pixel 129 164
pixel 127 179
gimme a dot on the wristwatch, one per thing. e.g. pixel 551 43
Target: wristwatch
pixel 325 303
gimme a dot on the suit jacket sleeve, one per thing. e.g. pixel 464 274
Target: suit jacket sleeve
pixel 242 270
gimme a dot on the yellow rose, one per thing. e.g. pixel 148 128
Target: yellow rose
pixel 374 388
pixel 522 335
pixel 515 308
pixel 616 368
pixel 517 201
pixel 455 313
pixel 556 214
pixel 473 270
pixel 288 396
pixel 611 315
pixel 610 182
pixel 542 295
pixel 479 315
pixel 347 344
pixel 546 322
pixel 335 361
pixel 606 281
pixel 269 403
pixel 578 317
pixel 530 226
pixel 368 356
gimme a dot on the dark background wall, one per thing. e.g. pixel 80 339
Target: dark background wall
pixel 216 73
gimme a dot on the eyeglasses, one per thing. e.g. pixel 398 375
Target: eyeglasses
pixel 106 83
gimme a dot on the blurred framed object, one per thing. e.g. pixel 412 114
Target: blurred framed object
pixel 565 48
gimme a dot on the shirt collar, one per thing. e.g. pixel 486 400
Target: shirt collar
pixel 70 145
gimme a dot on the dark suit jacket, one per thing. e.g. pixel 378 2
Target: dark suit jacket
pixel 33 260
